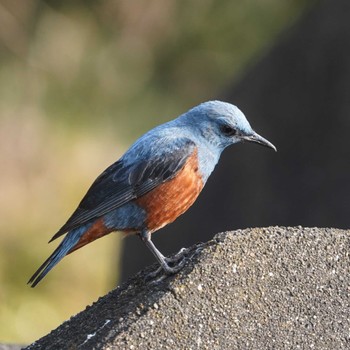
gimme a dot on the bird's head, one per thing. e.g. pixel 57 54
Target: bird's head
pixel 223 124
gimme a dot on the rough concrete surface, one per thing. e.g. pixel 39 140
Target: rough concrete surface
pixel 261 288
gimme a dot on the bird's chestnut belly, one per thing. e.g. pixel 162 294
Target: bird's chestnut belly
pixel 172 198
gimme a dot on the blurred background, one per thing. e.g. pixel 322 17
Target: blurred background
pixel 80 81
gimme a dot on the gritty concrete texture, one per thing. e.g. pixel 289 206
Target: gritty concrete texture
pixel 261 288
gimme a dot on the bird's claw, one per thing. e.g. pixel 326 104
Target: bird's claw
pixel 166 270
pixel 180 255
pixel 172 265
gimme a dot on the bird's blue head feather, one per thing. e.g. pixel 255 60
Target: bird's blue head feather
pixel 219 122
pixel 211 126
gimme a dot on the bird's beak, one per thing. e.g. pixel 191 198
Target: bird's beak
pixel 259 139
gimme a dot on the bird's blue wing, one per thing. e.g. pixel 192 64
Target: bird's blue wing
pixel 129 179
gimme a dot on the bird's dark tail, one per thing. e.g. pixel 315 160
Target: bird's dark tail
pixel 60 252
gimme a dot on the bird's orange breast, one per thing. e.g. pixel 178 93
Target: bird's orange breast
pixel 172 198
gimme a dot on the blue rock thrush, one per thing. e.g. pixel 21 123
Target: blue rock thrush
pixel 155 181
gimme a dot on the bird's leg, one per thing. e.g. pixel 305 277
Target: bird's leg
pixel 146 238
pixel 179 256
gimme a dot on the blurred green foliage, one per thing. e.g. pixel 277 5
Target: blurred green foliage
pixel 78 81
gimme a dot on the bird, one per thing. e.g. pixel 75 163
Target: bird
pixel 156 180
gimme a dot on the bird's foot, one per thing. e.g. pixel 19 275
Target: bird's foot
pixel 150 276
pixel 180 255
pixel 165 270
pixel 172 265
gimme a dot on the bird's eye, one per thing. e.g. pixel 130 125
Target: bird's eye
pixel 228 130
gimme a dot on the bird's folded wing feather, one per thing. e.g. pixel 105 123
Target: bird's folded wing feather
pixel 129 179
